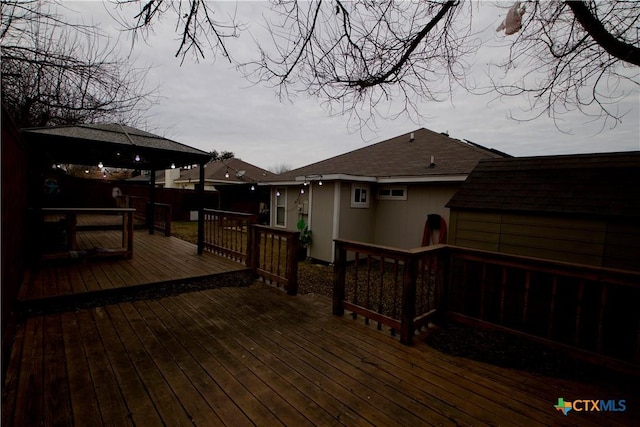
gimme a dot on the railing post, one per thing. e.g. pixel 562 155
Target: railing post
pixel 253 253
pixel 408 300
pixel 292 264
pixel 444 277
pixel 339 278
pixel 167 229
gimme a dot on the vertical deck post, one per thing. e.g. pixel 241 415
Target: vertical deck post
pixel 408 300
pixel 292 264
pixel 201 209
pixel 339 277
pixel 151 207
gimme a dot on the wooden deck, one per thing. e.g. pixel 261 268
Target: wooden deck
pixel 157 261
pixel 255 356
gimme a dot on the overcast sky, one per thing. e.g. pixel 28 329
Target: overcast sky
pixel 211 106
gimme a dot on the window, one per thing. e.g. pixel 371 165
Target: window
pixel 359 196
pixel 392 193
pixel 281 207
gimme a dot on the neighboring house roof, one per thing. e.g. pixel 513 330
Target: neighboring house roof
pixel 112 144
pixel 402 159
pixel 590 184
pixel 240 172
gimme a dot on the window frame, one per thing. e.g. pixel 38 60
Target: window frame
pixel 360 190
pixel 391 189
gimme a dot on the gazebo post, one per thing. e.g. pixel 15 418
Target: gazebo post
pixel 152 203
pixel 201 210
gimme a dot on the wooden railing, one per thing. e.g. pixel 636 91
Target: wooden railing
pixel 274 256
pixel 271 253
pixel 161 213
pixel 393 287
pixel 161 217
pixel 227 233
pixel 592 309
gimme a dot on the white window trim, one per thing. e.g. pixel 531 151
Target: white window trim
pixel 391 189
pixel 283 197
pixel 361 187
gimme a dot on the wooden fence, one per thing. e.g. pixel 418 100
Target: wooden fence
pixel 590 311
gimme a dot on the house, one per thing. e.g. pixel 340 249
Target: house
pixel 581 208
pixel 234 181
pixel 379 194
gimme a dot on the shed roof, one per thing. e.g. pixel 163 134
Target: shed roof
pixel 112 144
pixel 605 184
pixel 403 157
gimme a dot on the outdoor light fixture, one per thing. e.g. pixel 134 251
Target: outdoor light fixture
pixel 226 174
pixel 173 165
pixel 86 171
pixel 277 194
pixel 137 157
pixel 320 183
pixel 100 165
pixel 253 188
pixel 302 191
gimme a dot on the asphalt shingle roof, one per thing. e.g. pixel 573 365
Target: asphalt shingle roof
pixel 590 184
pixel 403 157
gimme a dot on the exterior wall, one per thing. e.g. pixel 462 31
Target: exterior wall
pixel 321 222
pixel 356 223
pixel 595 242
pixel 297 206
pixel 400 223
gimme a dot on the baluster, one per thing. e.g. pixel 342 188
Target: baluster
pixel 380 305
pixel 554 288
pixel 503 286
pixel 483 283
pixel 279 256
pixel 601 314
pixel 355 289
pixel 395 292
pixel 576 336
pixel 368 296
pixel 527 284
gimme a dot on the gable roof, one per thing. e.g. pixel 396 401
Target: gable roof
pixel 402 158
pixel 112 144
pixel 240 172
pixel 606 184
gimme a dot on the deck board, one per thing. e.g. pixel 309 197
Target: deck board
pixel 156 259
pixel 255 356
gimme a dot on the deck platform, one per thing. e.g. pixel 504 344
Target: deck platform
pixel 158 261
pixel 255 356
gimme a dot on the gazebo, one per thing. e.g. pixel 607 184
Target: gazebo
pixel 117 146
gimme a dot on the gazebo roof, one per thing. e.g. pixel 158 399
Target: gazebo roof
pixel 113 145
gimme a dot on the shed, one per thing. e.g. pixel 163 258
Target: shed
pixel 581 208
